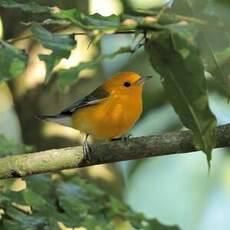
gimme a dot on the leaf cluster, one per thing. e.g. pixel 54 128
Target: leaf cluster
pixel 45 203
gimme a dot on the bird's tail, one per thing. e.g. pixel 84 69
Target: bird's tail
pixel 57 118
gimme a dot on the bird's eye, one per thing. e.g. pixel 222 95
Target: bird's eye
pixel 127 84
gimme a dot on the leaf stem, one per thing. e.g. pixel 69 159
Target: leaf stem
pixel 89 33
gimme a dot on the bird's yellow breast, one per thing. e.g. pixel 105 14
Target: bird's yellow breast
pixel 109 119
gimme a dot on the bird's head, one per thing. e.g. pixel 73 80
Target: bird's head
pixel 126 83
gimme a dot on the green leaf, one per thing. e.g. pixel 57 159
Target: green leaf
pixel 29 6
pixel 95 21
pixel 73 198
pixel 23 220
pixel 40 184
pixel 33 199
pixel 8 196
pixel 13 61
pixel 66 77
pixel 174 55
pixel 9 147
pixel 61 46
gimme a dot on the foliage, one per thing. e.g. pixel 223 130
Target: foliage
pixel 74 202
pixel 61 46
pixel 172 40
pixel 212 46
pixel 67 77
pixel 185 86
pixel 89 22
pixel 12 61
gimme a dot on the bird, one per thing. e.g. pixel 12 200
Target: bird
pixel 108 112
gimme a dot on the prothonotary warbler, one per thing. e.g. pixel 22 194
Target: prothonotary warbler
pixel 109 112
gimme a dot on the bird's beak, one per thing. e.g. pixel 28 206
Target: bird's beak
pixel 142 80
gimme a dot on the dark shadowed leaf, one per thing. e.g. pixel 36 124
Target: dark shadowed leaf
pixel 39 197
pixel 74 202
pixel 33 199
pixel 13 61
pixel 23 220
pixel 40 184
pixel 220 69
pixel 7 197
pixel 29 6
pixel 73 198
pixel 173 54
pixel 213 47
pixel 219 9
pixel 61 46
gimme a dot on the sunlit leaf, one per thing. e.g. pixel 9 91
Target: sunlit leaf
pixel 173 54
pixel 95 21
pixel 61 46
pixel 13 61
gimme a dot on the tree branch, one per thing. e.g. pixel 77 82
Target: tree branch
pixel 106 152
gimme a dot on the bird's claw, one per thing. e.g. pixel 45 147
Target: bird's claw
pixel 126 138
pixel 87 150
pixel 123 138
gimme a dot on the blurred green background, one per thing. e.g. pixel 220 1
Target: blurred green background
pixel 174 189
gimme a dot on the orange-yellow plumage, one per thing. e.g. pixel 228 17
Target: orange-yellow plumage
pixel 108 112
pixel 116 114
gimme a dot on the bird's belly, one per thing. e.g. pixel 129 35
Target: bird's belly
pixel 106 122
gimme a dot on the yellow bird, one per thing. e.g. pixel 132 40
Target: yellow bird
pixel 109 112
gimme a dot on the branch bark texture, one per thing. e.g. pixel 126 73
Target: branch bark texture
pixel 106 152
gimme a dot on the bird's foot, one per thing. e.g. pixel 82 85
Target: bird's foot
pixel 126 138
pixel 123 138
pixel 87 150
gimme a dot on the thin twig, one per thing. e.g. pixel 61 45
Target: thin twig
pixel 90 33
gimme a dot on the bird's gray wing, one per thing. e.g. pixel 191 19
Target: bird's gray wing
pixel 97 96
pixel 64 117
